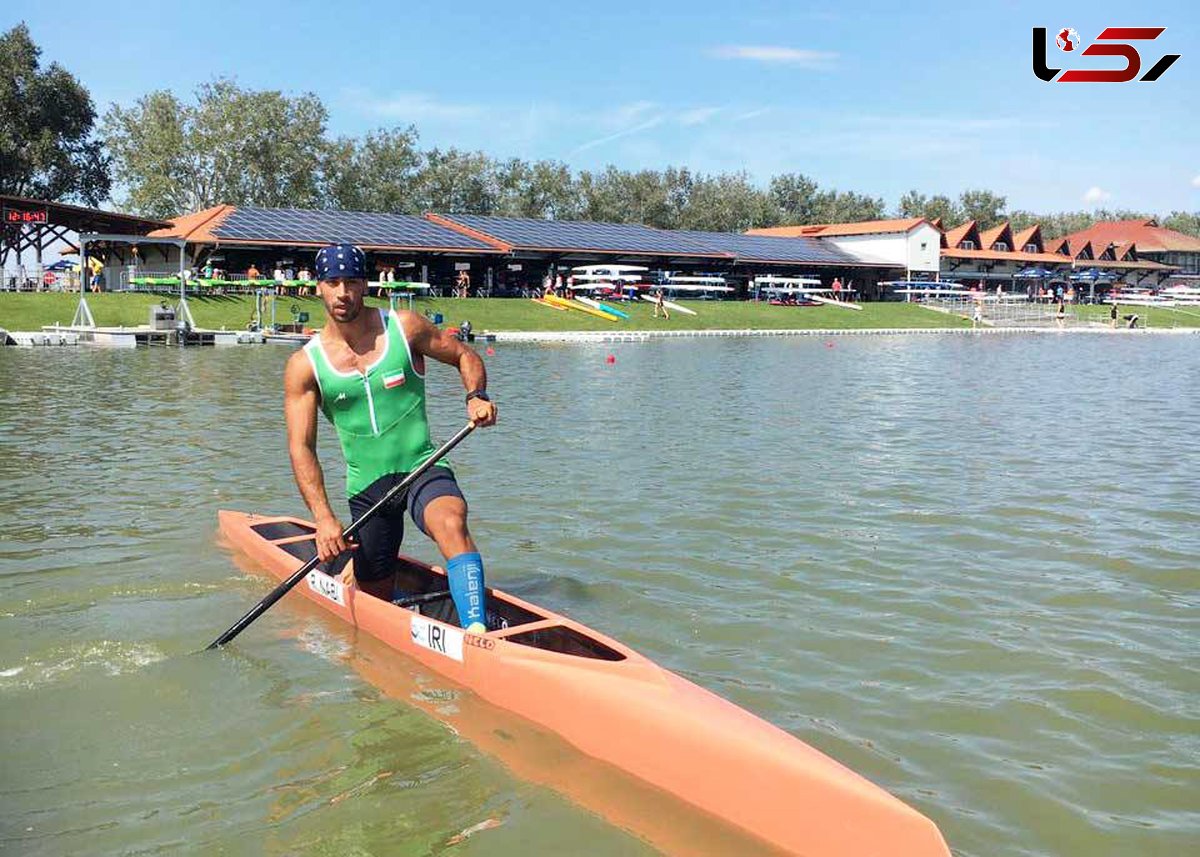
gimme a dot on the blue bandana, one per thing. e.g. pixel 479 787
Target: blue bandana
pixel 341 260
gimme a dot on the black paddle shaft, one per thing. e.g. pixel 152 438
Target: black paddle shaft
pixel 283 588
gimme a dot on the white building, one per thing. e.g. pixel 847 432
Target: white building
pixel 912 245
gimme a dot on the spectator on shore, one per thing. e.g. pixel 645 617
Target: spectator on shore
pixel 660 305
pixel 462 284
pixel 837 288
pixel 1112 315
pixel 252 272
pixel 1060 316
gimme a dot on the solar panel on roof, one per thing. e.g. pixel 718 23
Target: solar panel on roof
pixel 354 227
pixel 532 234
pixel 635 238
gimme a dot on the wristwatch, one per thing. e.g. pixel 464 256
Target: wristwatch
pixel 478 394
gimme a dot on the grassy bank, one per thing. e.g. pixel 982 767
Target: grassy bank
pixel 234 312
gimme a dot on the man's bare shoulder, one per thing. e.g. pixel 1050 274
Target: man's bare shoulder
pixel 415 326
pixel 298 372
pixel 410 318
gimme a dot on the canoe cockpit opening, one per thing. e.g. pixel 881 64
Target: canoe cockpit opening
pixel 421 589
pixel 566 641
pixel 275 530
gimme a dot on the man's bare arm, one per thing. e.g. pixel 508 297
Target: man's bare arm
pixel 300 399
pixel 443 346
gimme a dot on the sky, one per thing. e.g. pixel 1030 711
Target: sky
pixel 875 97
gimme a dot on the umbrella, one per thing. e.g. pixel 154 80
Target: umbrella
pixel 1037 273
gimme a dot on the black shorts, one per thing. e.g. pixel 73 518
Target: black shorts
pixel 379 538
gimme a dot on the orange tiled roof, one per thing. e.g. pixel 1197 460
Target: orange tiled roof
pixel 956 235
pixel 824 230
pixel 1026 235
pixel 1147 234
pixel 997 233
pixel 1059 245
pixel 1047 259
pixel 197 226
pixel 1006 256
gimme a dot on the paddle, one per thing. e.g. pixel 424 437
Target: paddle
pixel 283 588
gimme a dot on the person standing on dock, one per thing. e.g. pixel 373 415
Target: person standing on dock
pixel 365 371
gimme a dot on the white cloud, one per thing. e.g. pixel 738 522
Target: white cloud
pixel 414 107
pixel 751 114
pixel 775 54
pixel 698 116
pixel 1095 195
pixel 623 115
pixel 617 135
pixel 1196 181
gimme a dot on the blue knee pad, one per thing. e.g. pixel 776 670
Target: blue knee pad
pixel 466 587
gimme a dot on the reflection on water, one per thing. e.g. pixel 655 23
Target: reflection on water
pixel 963 567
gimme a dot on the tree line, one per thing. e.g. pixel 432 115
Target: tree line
pixel 166 156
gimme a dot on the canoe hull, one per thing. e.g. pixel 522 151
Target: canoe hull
pixel 617 706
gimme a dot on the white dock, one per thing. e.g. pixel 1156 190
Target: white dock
pixel 131 337
pixel 33 338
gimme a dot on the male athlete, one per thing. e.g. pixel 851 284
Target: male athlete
pixel 366 371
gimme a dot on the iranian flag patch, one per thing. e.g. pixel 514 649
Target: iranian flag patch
pixel 393 379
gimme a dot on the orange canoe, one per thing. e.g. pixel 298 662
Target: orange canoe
pixel 616 706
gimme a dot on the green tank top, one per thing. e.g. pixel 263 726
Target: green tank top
pixel 379 415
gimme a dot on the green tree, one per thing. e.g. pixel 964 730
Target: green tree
pixel 795 197
pixel 543 189
pixel 378 173
pixel 1187 222
pixel 623 196
pixel 940 205
pixel 913 204
pixel 232 146
pixel 457 182
pixel 983 206
pixel 834 206
pixel 729 202
pixel 47 150
pixel 916 204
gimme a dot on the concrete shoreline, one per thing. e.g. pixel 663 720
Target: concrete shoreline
pixel 585 337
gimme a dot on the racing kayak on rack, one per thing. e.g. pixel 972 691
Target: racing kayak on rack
pixel 612 704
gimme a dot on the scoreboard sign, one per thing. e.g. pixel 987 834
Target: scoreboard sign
pixel 18 216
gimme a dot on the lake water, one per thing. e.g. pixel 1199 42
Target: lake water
pixel 966 567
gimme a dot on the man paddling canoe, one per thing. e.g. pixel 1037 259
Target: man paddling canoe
pixel 365 371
